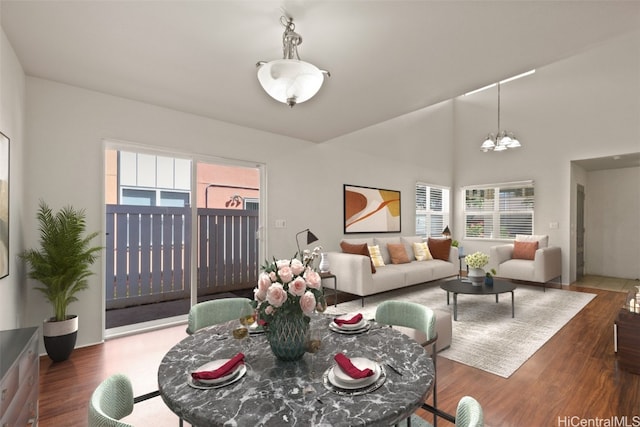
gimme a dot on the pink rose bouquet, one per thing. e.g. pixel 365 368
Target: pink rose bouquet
pixel 289 287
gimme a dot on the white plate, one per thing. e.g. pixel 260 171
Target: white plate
pixel 256 329
pixel 211 366
pixel 197 384
pixel 338 329
pixel 362 383
pixel 360 363
pixel 352 326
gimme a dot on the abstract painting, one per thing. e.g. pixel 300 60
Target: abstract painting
pixel 371 210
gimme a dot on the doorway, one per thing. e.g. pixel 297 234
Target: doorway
pixel 171 219
pixel 580 232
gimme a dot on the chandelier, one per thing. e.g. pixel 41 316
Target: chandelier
pixel 290 80
pixel 502 140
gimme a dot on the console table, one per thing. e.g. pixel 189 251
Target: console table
pixel 19 370
pixel 627 339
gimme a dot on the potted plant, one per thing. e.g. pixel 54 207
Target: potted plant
pixel 62 265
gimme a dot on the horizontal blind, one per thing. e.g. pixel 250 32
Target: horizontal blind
pixel 432 209
pixel 499 211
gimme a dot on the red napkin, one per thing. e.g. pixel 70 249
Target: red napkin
pixel 345 364
pixel 355 319
pixel 223 370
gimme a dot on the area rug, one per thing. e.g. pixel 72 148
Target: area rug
pixel 485 336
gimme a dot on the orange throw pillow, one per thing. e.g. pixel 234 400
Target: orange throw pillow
pixel 439 248
pixel 398 253
pixel 358 249
pixel 524 250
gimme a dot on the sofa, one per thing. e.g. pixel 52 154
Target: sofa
pixel 528 258
pixel 355 272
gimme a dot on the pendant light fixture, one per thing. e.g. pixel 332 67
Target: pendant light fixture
pixel 502 140
pixel 290 80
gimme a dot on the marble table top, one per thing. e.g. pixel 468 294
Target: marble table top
pixel 277 393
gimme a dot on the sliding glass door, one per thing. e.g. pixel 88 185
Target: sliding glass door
pixel 178 230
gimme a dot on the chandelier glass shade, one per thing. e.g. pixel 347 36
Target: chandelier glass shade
pixel 502 140
pixel 290 80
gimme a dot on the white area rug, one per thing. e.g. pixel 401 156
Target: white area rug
pixel 485 336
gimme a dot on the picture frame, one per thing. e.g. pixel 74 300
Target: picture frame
pixel 4 205
pixel 371 210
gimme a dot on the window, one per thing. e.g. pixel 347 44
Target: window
pixel 432 210
pixel 499 211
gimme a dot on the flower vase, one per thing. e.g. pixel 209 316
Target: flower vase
pixel 324 263
pixel 476 275
pixel 287 335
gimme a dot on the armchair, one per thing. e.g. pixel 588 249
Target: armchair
pixel 529 259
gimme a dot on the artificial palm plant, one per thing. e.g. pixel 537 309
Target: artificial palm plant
pixel 62 264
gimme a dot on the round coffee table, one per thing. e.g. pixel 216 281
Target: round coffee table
pixel 458 286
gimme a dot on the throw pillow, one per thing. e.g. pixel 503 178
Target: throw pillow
pixel 421 250
pixel 524 250
pixel 398 253
pixel 439 248
pixel 542 239
pixel 360 249
pixel 376 256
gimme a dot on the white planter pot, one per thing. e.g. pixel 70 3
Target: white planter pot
pixel 476 275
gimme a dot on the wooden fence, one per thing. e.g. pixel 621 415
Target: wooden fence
pixel 148 253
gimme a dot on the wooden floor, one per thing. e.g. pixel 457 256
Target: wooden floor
pixel 573 377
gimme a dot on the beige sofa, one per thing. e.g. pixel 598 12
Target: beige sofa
pixel 545 265
pixel 354 276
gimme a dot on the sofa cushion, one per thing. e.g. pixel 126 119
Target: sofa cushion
pixel 524 250
pixel 542 239
pixel 408 242
pixel 376 256
pixel 440 248
pixel 398 253
pixel 421 251
pixel 383 242
pixel 358 249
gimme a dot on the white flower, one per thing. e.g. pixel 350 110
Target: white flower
pixel 477 260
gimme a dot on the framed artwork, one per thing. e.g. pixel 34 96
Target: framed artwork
pixel 371 210
pixel 4 205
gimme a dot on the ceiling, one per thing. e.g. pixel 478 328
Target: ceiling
pixel 386 58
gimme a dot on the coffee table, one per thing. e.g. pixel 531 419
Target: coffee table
pixel 458 286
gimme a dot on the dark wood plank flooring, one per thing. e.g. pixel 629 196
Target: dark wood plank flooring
pixel 574 376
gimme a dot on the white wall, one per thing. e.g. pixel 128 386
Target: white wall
pixel 304 180
pixel 612 240
pixel 12 112
pixel 584 107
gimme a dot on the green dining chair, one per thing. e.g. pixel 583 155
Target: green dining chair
pixel 415 316
pixel 217 311
pixel 113 400
pixel 469 413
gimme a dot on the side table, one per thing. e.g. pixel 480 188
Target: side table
pixel 460 258
pixel 330 275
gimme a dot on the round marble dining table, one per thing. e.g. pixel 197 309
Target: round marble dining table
pixel 278 393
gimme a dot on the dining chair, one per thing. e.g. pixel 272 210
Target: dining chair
pixel 217 311
pixel 469 413
pixel 113 400
pixel 415 316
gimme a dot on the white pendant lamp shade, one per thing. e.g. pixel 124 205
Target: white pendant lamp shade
pixel 290 81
